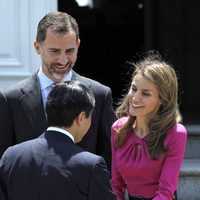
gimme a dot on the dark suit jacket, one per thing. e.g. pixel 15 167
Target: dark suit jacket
pixel 52 167
pixel 27 118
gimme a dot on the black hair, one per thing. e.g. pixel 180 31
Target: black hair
pixel 66 101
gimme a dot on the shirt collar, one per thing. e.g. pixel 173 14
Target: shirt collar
pixel 45 81
pixel 52 128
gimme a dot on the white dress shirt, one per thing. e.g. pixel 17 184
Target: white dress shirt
pixel 46 84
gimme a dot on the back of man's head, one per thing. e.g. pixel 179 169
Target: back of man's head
pixel 66 101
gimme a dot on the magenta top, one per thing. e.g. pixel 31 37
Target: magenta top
pixel 135 171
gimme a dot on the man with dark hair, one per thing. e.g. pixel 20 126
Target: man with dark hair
pixel 51 166
pixel 57 43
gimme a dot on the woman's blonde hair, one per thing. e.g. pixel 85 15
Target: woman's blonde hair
pixel 160 73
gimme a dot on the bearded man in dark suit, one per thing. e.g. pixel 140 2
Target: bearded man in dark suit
pixel 57 43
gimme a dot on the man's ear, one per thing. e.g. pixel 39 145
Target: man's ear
pixel 80 118
pixel 78 43
pixel 37 47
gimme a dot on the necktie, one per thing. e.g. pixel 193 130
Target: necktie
pixel 46 92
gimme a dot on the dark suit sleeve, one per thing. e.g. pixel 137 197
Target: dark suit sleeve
pixel 6 133
pixel 3 195
pixel 99 184
pixel 107 118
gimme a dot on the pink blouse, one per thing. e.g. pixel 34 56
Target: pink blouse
pixel 135 171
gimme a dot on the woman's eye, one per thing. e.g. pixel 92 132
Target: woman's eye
pixel 146 94
pixel 133 89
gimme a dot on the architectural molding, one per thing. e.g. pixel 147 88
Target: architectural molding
pixel 19 18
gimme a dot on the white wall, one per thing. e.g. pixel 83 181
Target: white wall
pixel 19 19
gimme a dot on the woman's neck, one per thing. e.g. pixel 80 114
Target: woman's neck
pixel 141 128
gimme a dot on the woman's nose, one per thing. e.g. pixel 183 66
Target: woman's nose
pixel 136 96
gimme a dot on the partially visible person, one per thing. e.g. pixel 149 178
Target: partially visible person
pixel 57 43
pixel 5 124
pixel 148 141
pixel 51 166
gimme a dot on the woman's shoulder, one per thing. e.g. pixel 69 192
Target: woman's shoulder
pixel 119 122
pixel 176 134
pixel 178 129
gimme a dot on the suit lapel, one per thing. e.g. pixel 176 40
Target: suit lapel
pixel 31 102
pixel 80 78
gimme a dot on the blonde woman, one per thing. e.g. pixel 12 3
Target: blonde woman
pixel 148 141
